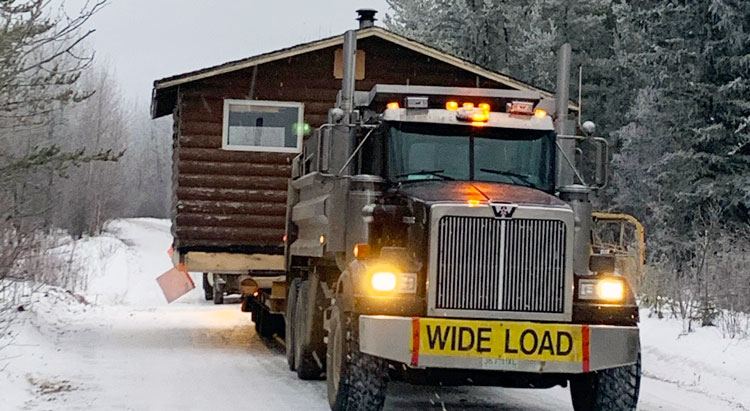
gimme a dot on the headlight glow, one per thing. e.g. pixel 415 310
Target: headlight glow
pixel 383 281
pixel 610 290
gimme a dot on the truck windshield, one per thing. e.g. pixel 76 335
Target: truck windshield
pixel 418 152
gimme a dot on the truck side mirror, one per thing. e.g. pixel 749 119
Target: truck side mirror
pixel 602 161
pixel 599 169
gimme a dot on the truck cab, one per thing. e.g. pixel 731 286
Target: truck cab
pixel 429 239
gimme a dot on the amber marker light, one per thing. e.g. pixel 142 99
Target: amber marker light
pixel 480 116
pixel 540 112
pixel 361 251
pixel 392 105
pixel 451 106
pixel 468 106
pixel 322 239
pixel 484 107
pixel 284 238
pixel 473 203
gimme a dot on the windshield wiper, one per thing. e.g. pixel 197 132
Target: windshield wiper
pixel 436 173
pixel 524 179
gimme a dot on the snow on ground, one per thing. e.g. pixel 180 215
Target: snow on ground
pixel 700 362
pixel 129 350
pixel 123 262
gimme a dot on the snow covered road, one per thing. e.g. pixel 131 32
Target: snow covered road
pixel 141 354
pixel 197 356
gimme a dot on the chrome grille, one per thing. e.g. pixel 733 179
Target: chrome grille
pixel 501 265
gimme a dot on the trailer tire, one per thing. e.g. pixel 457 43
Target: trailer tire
pixel 304 360
pixel 355 381
pixel 208 291
pixel 218 292
pixel 291 302
pixel 613 389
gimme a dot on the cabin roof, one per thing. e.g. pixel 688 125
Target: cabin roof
pixel 164 95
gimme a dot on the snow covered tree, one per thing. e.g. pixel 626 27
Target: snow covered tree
pixel 41 59
pixel 517 38
pixel 476 30
pixel 678 161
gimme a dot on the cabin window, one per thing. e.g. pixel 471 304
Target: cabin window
pixel 254 125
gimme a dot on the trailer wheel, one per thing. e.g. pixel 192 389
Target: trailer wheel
pixel 218 290
pixel 304 360
pixel 355 381
pixel 208 291
pixel 291 302
pixel 607 390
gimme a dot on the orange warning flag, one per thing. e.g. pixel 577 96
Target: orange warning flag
pixel 175 283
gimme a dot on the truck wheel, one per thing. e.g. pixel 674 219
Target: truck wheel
pixel 218 291
pixel 207 289
pixel 289 322
pixel 355 381
pixel 607 390
pixel 304 361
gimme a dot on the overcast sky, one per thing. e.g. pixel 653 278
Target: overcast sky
pixel 145 40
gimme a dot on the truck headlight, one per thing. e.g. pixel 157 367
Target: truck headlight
pixel 605 289
pixel 383 281
pixel 391 281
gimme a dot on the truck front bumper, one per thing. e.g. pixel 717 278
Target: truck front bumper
pixel 427 342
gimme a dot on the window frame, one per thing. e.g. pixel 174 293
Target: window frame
pixel 268 103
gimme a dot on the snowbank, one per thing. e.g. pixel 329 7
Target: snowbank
pixel 117 268
pixel 122 264
pixel 45 317
pixel 701 361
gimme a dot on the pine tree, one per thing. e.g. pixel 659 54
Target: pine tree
pixel 678 162
pixel 475 30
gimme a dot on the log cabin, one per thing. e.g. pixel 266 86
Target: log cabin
pixel 238 125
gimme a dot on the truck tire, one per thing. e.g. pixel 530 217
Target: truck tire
pixel 355 381
pixel 208 291
pixel 218 292
pixel 304 361
pixel 291 302
pixel 612 389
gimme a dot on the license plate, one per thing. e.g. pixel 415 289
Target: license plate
pixel 508 341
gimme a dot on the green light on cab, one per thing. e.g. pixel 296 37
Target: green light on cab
pixel 303 128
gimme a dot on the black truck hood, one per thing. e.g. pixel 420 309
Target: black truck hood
pixel 461 191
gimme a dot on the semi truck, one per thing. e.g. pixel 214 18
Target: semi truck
pixel 443 235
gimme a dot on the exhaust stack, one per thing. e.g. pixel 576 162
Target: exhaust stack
pixel 574 194
pixel 350 60
pixel 563 88
pixel 563 125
